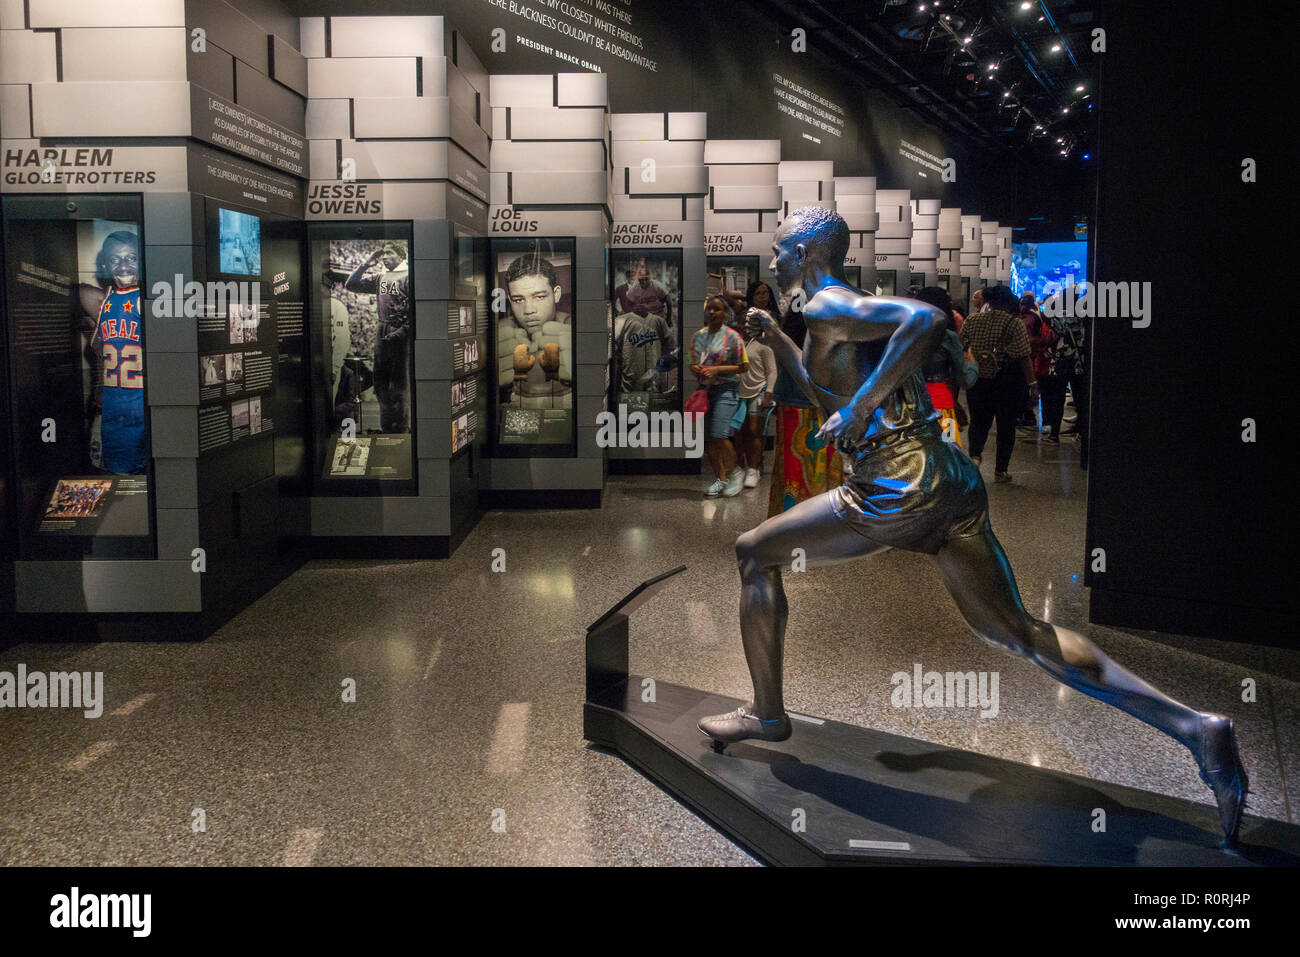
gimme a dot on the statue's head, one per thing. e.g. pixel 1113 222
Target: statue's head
pixel 809 237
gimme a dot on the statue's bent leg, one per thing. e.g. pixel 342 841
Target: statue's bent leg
pixel 823 539
pixel 977 574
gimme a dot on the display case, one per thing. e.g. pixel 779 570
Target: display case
pixel 532 301
pixel 646 305
pixel 77 376
pixel 361 332
pixel 886 282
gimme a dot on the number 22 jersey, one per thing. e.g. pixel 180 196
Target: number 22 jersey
pixel 122 418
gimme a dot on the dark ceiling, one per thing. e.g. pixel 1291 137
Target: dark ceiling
pixel 985 69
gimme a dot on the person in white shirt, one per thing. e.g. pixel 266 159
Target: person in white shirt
pixel 755 389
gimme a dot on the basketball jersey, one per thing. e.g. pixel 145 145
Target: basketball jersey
pixel 122 427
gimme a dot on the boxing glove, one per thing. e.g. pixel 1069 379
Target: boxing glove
pixel 550 359
pixel 523 362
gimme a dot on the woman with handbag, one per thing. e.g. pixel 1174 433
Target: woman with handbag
pixel 718 359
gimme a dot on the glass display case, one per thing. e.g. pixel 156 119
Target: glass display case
pixel 361 329
pixel 532 301
pixel 78 376
pixel 646 300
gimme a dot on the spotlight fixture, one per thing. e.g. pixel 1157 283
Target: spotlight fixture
pixel 1079 88
pixel 1026 5
pixel 1065 109
pixel 966 40
pixel 1086 156
pixel 1056 48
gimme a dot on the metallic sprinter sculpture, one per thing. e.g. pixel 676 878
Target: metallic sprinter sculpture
pixel 910 489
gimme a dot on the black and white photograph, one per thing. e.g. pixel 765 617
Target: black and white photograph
pixel 647 304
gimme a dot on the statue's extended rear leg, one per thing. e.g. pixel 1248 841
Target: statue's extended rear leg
pixel 977 574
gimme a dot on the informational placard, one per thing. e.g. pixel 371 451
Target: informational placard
pixel 216 120
pixel 97 505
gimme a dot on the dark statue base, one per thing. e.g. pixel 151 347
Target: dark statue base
pixel 873 798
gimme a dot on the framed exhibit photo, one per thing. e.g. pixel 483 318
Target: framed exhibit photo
pixel 533 339
pixel 362 326
pixel 647 305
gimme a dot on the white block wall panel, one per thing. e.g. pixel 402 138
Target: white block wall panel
pixel 688 126
pixel 580 89
pixel 637 209
pixel 550 123
pixel 924 221
pixel 664 152
pixel 577 187
pixel 15 111
pixel 498 188
pixel 970 233
pixel 575 155
pixel 399 159
pixel 336 78
pixel 156 53
pixel 434 71
pixel 855 186
pixel 746 197
pixel 329 119
pixel 668 180
pixel 97 13
pixel 895 210
pixel 924 249
pixel 804 170
pixel 414 201
pixel 27 57
pixel 322 159
pixel 894 246
pixel 694 208
pixel 742 151
pixel 468 63
pixel 1004 238
pixel 523 90
pixel 402 117
pixel 805 194
pixel 110 109
pixel 385 37
pixel 864 222
pixel 729 222
pixel 312 37
pixel 636 126
pixel 949 230
pixel 13 15
pixel 854 203
pixel 743 174
pixel 767 222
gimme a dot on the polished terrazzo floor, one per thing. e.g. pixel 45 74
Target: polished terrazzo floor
pixel 469 689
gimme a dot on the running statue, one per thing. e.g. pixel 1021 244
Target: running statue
pixel 910 489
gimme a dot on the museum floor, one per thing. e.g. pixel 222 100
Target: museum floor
pixel 470 683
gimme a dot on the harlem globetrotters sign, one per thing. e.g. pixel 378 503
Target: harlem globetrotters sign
pixel 28 167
